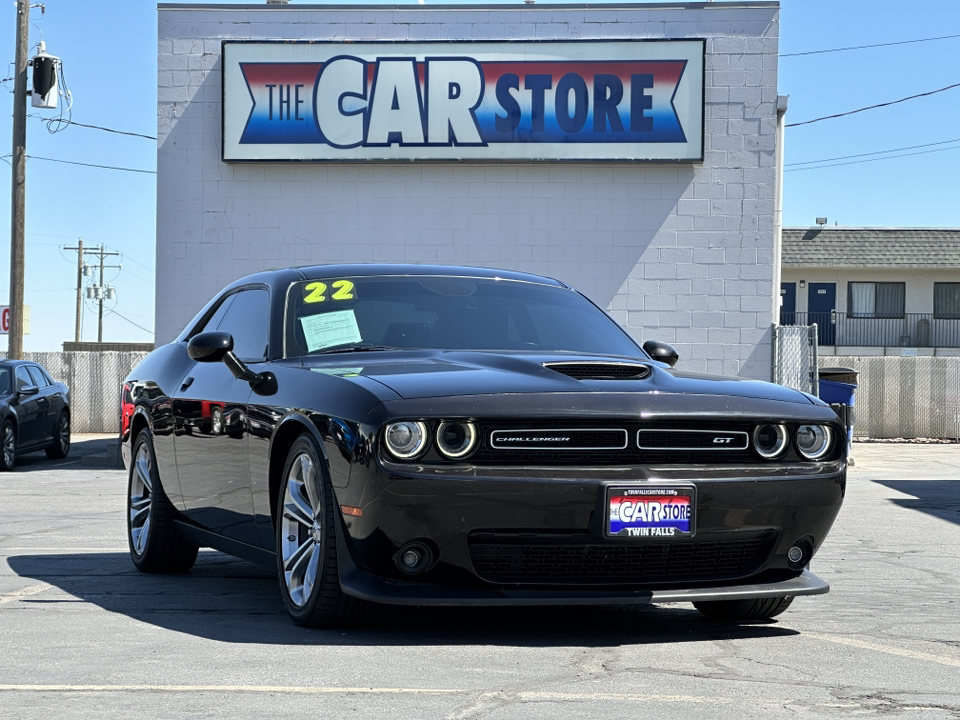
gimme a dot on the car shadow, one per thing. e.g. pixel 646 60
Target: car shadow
pixel 220 596
pixel 82 451
pixel 940 498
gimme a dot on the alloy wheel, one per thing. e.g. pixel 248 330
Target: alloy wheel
pixel 9 445
pixel 301 539
pixel 63 433
pixel 141 496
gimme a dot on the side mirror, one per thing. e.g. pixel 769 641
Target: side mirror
pixel 209 346
pixel 218 346
pixel 28 390
pixel 662 352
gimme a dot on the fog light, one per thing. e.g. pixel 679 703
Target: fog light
pixel 415 557
pixel 795 554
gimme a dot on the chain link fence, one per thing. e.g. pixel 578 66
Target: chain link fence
pixel 795 356
pixel 94 379
pixel 905 397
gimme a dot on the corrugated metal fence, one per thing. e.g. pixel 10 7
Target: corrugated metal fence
pixel 94 379
pixel 905 397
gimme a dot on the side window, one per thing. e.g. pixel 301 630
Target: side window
pixel 217 316
pixel 23 379
pixel 248 320
pixel 38 379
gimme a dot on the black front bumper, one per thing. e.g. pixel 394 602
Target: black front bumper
pixel 523 513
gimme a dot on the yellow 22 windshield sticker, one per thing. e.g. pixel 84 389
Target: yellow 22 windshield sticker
pixel 316 292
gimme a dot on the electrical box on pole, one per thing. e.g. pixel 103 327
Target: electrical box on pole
pixel 45 90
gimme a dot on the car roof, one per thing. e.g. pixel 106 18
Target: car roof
pixel 312 272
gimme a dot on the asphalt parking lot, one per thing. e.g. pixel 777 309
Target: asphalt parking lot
pixel 82 634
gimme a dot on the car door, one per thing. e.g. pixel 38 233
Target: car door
pixel 30 409
pixel 212 433
pixel 51 404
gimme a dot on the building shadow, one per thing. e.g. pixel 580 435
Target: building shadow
pixel 940 498
pixel 230 600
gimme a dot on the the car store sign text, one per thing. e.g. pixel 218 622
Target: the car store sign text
pixel 499 101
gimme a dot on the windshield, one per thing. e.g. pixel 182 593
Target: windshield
pixel 447 313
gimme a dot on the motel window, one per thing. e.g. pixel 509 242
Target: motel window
pixel 876 299
pixel 946 300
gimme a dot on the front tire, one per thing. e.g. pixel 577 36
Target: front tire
pixel 8 445
pixel 307 543
pixel 743 610
pixel 156 546
pixel 61 443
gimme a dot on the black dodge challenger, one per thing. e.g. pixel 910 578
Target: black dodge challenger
pixel 425 435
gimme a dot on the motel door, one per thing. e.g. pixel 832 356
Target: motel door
pixel 821 303
pixel 788 303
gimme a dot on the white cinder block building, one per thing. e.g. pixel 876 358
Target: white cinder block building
pixel 649 188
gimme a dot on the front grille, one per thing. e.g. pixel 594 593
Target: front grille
pixel 562 439
pixel 692 440
pixel 601 371
pixel 518 558
pixel 606 444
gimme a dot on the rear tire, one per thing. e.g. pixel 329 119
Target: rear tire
pixel 156 546
pixel 8 446
pixel 307 543
pixel 60 447
pixel 733 610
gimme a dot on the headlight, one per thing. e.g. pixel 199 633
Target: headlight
pixel 456 439
pixel 406 439
pixel 813 441
pixel 769 440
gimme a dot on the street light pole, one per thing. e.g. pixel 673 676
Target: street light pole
pixel 18 199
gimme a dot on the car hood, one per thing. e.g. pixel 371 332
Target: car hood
pixel 432 374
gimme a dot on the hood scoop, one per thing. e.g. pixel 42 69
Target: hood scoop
pixel 600 370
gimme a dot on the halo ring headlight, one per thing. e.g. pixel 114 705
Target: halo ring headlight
pixel 456 440
pixel 770 440
pixel 405 439
pixel 813 441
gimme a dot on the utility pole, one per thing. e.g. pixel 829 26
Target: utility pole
pixel 102 290
pixel 99 291
pixel 79 249
pixel 18 200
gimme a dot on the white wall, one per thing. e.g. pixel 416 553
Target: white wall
pixel 679 252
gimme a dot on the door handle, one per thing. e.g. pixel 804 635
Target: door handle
pixel 186 383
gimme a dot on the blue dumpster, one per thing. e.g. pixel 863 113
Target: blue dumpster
pixel 838 388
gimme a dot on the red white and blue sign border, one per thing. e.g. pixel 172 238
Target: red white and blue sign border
pixel 523 101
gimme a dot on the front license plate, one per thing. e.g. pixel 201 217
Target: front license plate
pixel 656 513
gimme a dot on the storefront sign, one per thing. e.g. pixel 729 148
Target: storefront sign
pixel 519 101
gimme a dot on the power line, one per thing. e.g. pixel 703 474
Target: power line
pixel 104 167
pixel 874 107
pixel 95 127
pixel 876 152
pixel 857 162
pixel 865 47
pixel 114 312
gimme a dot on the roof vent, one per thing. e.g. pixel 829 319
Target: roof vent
pixel 601 370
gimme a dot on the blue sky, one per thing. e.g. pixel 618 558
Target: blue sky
pixel 108 48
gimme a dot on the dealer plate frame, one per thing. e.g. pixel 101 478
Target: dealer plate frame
pixel 650 490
